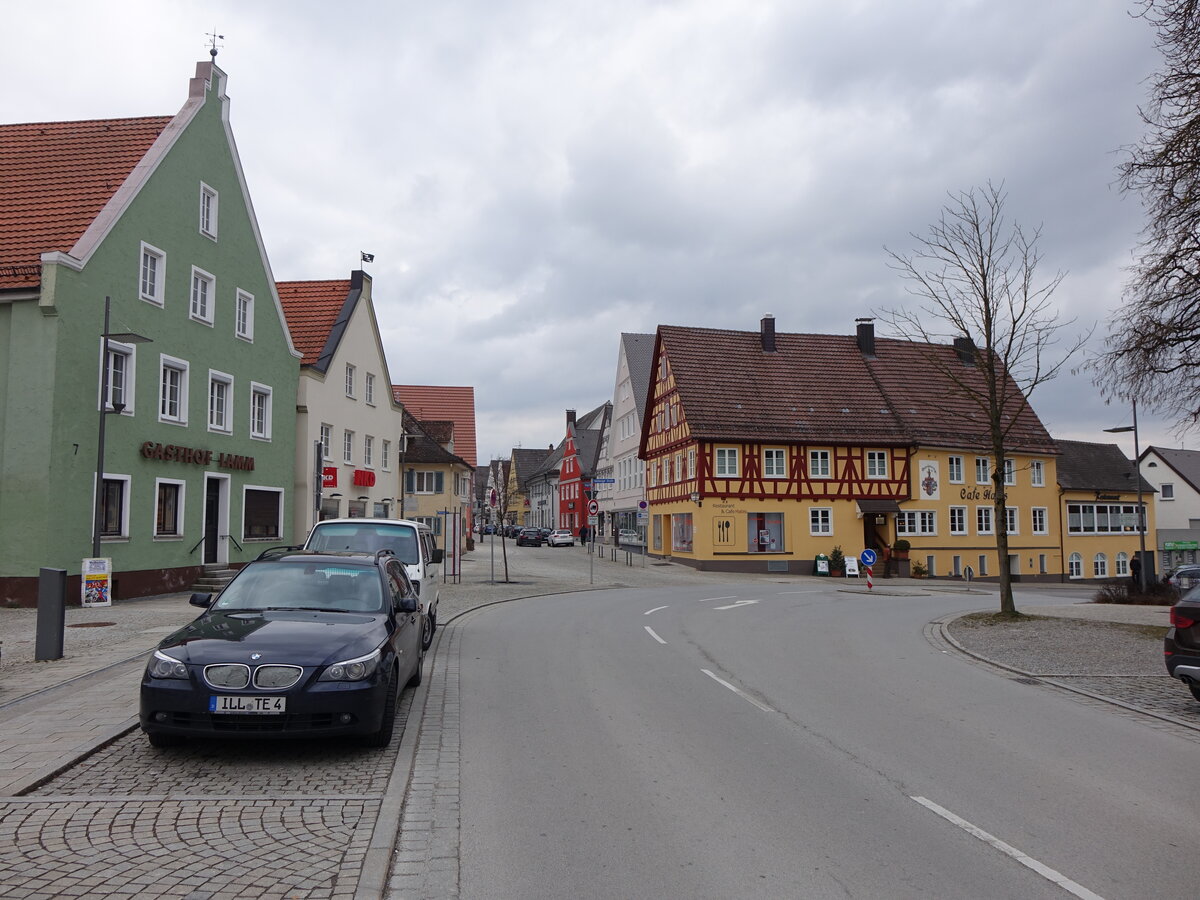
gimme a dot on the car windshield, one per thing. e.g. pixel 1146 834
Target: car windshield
pixel 304 585
pixel 370 537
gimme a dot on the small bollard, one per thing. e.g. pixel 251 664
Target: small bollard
pixel 51 614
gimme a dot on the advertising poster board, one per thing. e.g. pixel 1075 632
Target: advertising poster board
pixel 95 585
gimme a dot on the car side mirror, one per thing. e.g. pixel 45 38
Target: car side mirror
pixel 204 600
pixel 435 556
pixel 407 604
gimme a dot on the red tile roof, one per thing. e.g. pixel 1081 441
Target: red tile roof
pixel 311 309
pixel 440 402
pixel 821 388
pixel 55 177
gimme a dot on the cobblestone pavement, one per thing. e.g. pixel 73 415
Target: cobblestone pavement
pixel 92 810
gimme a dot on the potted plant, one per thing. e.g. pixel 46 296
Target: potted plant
pixel 918 570
pixel 900 549
pixel 837 562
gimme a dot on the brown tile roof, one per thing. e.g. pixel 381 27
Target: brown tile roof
pixel 444 402
pixel 55 178
pixel 312 308
pixel 821 388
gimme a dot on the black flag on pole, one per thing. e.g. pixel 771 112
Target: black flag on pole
pixel 367 257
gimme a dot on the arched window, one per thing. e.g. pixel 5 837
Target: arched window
pixel 1100 566
pixel 1075 566
pixel 1122 563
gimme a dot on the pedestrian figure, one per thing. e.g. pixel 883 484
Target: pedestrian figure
pixel 886 554
pixel 1135 571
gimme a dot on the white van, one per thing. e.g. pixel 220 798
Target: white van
pixel 412 542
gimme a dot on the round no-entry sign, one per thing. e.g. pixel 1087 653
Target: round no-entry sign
pixel 593 508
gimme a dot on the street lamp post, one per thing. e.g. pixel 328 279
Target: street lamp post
pixel 117 407
pixel 1137 474
pixel 404 435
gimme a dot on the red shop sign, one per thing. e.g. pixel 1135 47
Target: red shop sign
pixel 364 478
pixel 329 477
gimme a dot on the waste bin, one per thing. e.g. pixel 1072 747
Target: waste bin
pixel 821 565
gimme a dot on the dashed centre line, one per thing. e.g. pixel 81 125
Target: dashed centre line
pixel 650 631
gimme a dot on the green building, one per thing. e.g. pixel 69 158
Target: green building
pixel 198 452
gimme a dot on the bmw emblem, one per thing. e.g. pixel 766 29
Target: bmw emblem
pixel 256 656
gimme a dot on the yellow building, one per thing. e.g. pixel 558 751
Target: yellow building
pixel 764 450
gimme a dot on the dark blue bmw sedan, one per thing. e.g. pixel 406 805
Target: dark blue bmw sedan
pixel 298 644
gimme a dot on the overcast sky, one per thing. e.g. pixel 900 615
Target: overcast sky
pixel 535 178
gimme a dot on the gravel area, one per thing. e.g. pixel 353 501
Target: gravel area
pixel 1046 645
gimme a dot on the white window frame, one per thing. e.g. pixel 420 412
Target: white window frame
pixel 244 316
pixel 326 438
pixel 281 506
pixel 916 522
pixel 1040 512
pixel 820 464
pixel 181 366
pixel 774 462
pixel 820 520
pixel 350 371
pixel 878 464
pixel 220 421
pixel 726 462
pixel 1075 565
pixel 368 451
pixel 954 469
pixel 157 292
pixel 959 512
pixel 348 446
pixel 261 432
pixel 1166 491
pixel 983 470
pixel 179 510
pixel 202 296
pixel 126 493
pixel 984 516
pixel 1010 470
pixel 1100 565
pixel 369 388
pixel 385 456
pixel 209 206
pixel 1121 564
pixel 691 463
pixel 1037 473
pixel 1012 519
pixel 128 353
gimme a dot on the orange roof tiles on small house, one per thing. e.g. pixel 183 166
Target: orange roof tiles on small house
pixel 441 402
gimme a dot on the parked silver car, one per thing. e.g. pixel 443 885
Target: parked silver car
pixel 561 537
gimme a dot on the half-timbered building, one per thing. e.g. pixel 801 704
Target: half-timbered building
pixel 764 450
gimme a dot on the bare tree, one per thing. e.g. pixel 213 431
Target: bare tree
pixel 975 275
pixel 1151 351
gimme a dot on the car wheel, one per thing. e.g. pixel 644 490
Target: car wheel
pixel 1195 689
pixel 383 736
pixel 427 631
pixel 162 741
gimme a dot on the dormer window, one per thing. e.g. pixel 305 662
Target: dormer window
pixel 208 211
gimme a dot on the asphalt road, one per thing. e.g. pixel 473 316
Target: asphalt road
pixel 775 740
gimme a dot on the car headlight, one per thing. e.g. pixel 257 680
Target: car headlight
pixel 353 669
pixel 163 666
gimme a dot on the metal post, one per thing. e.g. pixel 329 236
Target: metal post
pixel 51 614
pixel 1141 512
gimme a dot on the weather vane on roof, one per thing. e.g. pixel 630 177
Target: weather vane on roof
pixel 213 37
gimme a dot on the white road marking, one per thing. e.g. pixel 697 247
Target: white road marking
pixel 1029 862
pixel 656 609
pixel 706 599
pixel 737 691
pixel 736 605
pixel 650 631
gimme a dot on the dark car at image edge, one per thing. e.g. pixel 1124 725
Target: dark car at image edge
pixel 1181 647
pixel 299 643
pixel 529 537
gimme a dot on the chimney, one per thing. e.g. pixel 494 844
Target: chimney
pixel 965 348
pixel 570 418
pixel 866 336
pixel 768 333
